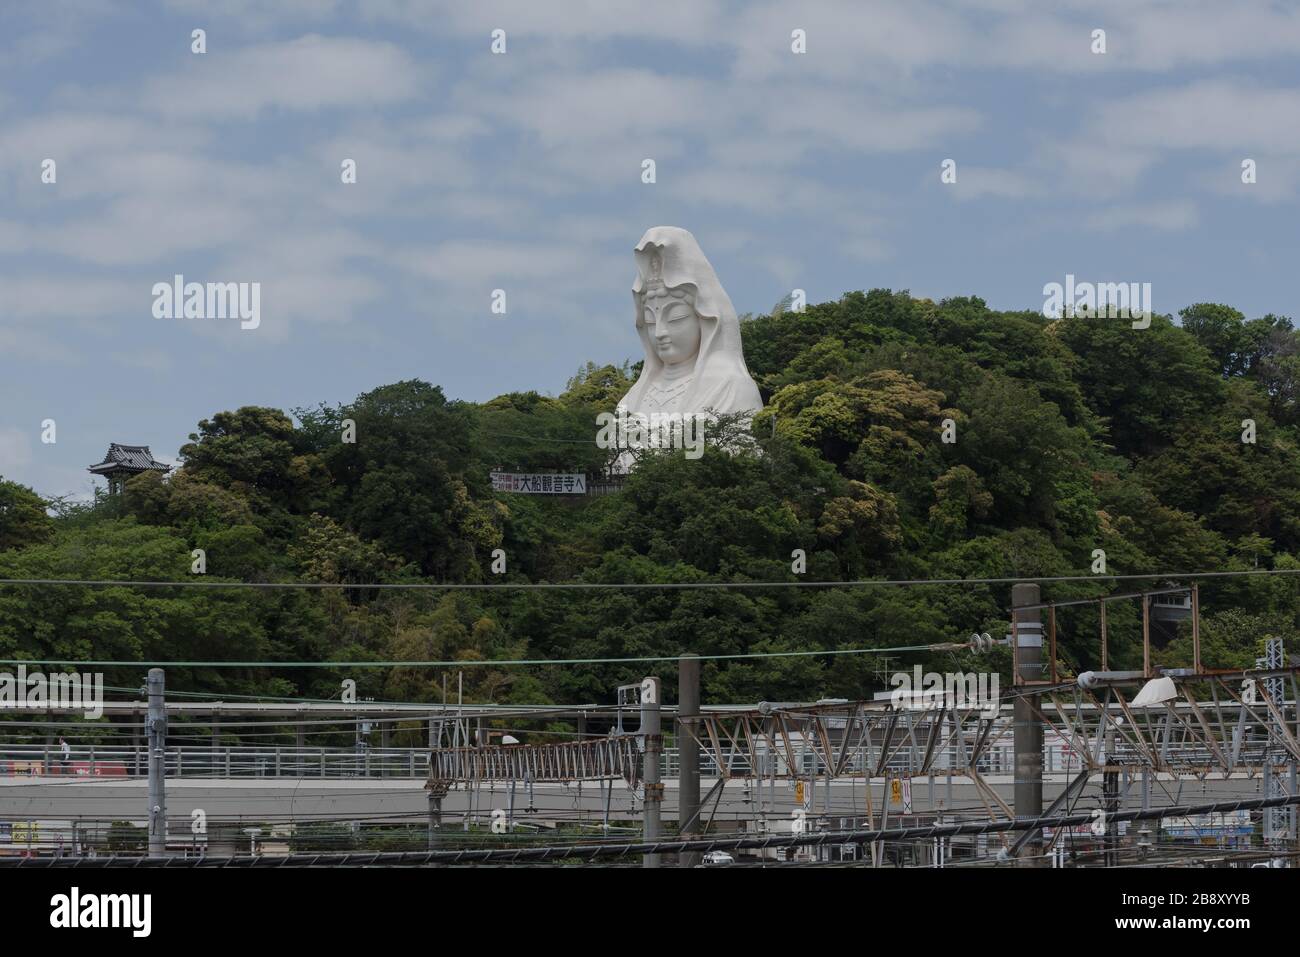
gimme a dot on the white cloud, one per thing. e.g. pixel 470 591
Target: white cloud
pixel 679 21
pixel 69 138
pixel 1277 179
pixel 869 124
pixel 63 296
pixel 866 248
pixel 605 105
pixel 15 449
pixel 1234 116
pixel 1164 36
pixel 846 40
pixel 310 73
pixel 31 344
pixel 1165 216
pixel 492 263
pixel 256 15
pixel 1129 137
pixel 1085 166
pixel 13 237
pixel 150 229
pixel 977 182
pixel 37 33
pixel 151 360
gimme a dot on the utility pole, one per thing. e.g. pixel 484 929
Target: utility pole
pixel 1027 649
pixel 654 790
pixel 157 764
pixel 435 787
pixel 1110 796
pixel 688 750
pixel 1277 820
pixel 435 813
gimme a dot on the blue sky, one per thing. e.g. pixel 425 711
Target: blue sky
pixel 522 172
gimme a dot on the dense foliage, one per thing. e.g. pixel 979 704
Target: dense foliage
pixel 1070 436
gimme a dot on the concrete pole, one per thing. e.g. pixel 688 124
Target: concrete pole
pixel 654 790
pixel 1146 636
pixel 157 728
pixel 1027 735
pixel 688 750
pixel 1105 639
pixel 385 742
pixel 435 818
pixel 1110 794
pixel 1196 628
pixel 581 726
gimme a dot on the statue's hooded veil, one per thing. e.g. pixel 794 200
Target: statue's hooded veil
pixel 722 382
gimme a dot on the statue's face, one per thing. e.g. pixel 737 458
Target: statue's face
pixel 670 318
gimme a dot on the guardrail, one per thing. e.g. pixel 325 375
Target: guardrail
pixel 219 762
pixel 17 760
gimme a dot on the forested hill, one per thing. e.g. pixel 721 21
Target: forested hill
pixel 1070 436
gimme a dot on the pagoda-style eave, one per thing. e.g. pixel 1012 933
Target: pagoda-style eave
pixel 114 468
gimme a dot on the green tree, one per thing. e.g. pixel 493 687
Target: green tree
pixel 1143 382
pixel 23 519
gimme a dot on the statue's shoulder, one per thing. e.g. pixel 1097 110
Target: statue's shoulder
pixel 732 394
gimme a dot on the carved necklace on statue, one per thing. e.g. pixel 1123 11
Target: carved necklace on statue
pixel 666 393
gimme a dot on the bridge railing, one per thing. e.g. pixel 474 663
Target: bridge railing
pixel 236 761
pixel 17 760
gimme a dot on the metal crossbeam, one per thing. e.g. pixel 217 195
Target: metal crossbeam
pixel 602 758
pixel 1209 729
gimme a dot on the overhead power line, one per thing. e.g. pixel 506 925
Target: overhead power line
pixel 594 851
pixel 665 586
pixel 476 662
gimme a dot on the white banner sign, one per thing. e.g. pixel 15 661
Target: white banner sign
pixel 540 483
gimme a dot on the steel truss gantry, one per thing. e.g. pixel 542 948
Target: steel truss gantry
pixel 1214 726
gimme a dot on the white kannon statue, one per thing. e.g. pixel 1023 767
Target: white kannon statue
pixel 688 327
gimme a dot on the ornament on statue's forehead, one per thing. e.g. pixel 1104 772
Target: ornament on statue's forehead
pixel 655 289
